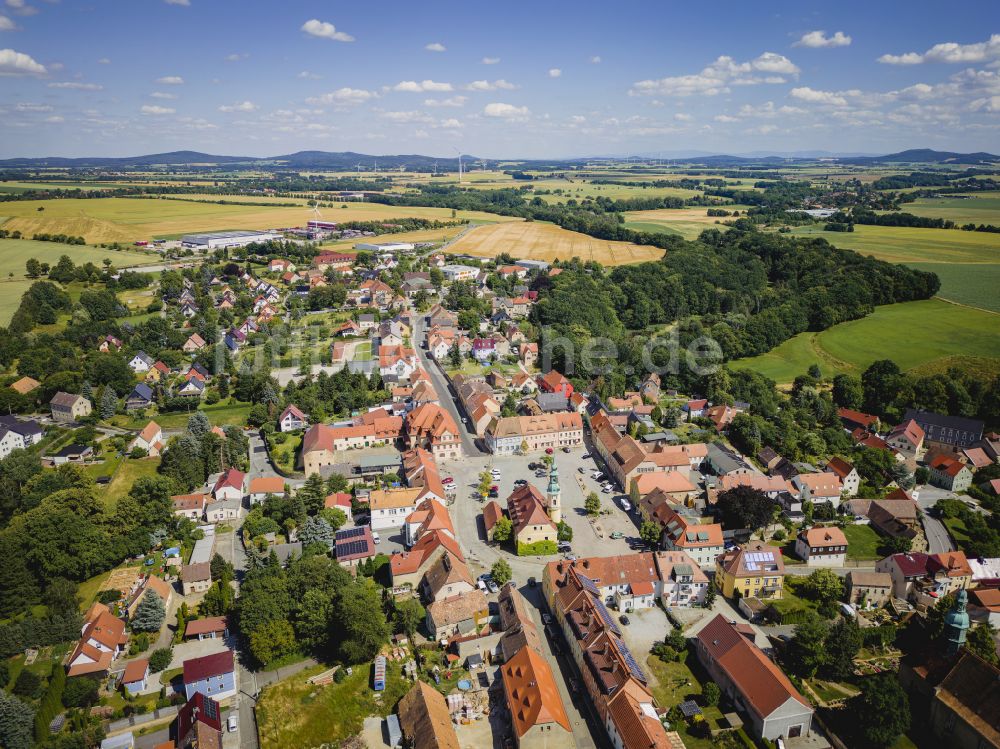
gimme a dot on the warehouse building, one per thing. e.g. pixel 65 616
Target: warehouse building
pixel 218 240
pixel 381 247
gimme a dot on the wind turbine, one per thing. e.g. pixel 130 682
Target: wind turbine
pixel 376 167
pixel 459 165
pixel 359 168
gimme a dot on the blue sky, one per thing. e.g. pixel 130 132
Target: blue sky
pixel 499 80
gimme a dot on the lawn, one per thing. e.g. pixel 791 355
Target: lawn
pixel 128 473
pixel 903 244
pixel 285 453
pixel 790 602
pixel 131 219
pixel 220 414
pixel 912 334
pixel 675 683
pixel 535 240
pixel 862 542
pixel 363 351
pixel 974 284
pixel 294 713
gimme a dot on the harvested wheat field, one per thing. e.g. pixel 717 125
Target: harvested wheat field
pixel 131 219
pixel 530 240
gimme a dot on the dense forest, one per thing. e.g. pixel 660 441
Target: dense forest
pixel 748 290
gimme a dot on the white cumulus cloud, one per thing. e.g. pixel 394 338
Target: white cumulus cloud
pixel 154 109
pixel 170 80
pixel 505 111
pixel 491 60
pixel 324 30
pixel 496 85
pixel 725 118
pixel 343 96
pixel 163 95
pixel 451 101
pixel 949 52
pixel 451 124
pixel 77 86
pixel 718 77
pixel 243 106
pixel 554 72
pixel 417 87
pixel 6 24
pixel 435 47
pixel 819 40
pixel 308 75
pixel 104 61
pixel 596 59
pixel 814 96
pixel 178 2
pixel 14 63
pixel 26 106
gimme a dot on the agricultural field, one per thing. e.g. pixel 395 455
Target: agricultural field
pixel 532 240
pixel 913 334
pixel 977 208
pixel 903 244
pixel 13 253
pixel 686 222
pixel 132 219
pixel 10 298
pixel 420 235
pixel 973 284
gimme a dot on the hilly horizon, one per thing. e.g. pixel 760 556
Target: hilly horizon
pixel 349 160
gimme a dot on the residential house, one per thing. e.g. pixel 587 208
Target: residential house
pixel 492 512
pixel 108 343
pixel 431 515
pixel 291 419
pixel 425 718
pixel 754 570
pixel 819 487
pixel 850 480
pixel 554 382
pixel 907 438
pixel 483 349
pixel 408 568
pixel 959 700
pixel 431 427
pixel 141 362
pixel 701 541
pixel 447 577
pixel 352 546
pixel 191 506
pixel 397 361
pixel 140 398
pixel 199 724
pixel 528 354
pixel 135 676
pixel 149 440
pixel 229 485
pixel 261 486
pixel 682 581
pixel 866 589
pixel 458 615
pixel 916 575
pixel 68 408
pixel 72 454
pixel 223 510
pixel 157 372
pixel 455 272
pixel 29 432
pixel 613 681
pixel 946 433
pixel 196 578
pixel 211 675
pixel 537 713
pixel 322 441
pixel 822 546
pixel 194 387
pixel 772 707
pixel 854 420
pixel 948 473
pixel 102 638
pixel 206 628
pixel 390 507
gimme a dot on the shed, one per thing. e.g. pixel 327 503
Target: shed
pixel 474 661
pixel 393 730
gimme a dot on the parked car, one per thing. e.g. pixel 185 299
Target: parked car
pixel 565 449
pixel 626 505
pixel 447 480
pixel 581 469
pixel 520 482
pixel 492 585
pixel 624 620
pixel 233 722
pixel 546 619
pixel 532 582
pixel 563 546
pixel 585 456
pixel 617 534
pixel 606 490
pixel 570 557
pixel 376 537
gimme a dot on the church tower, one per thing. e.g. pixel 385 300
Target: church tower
pixel 553 494
pixel 956 623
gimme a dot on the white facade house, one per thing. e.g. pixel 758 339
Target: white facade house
pixel 460 272
pixel 141 362
pixel 9 442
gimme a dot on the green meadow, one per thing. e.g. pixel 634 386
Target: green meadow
pixel 913 334
pixel 974 284
pixel 977 208
pixel 900 244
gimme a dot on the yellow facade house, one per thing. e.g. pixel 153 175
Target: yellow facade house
pixel 755 570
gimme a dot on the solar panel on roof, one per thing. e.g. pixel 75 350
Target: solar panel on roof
pixel 589 586
pixel 352 547
pixel 633 666
pixel 351 533
pixel 606 616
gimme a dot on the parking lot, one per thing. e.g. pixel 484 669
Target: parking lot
pixel 587 540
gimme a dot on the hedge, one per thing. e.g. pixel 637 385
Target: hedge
pixel 539 548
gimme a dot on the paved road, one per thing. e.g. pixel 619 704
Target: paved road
pixel 444 392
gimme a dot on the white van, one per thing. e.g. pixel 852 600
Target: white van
pixel 376 537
